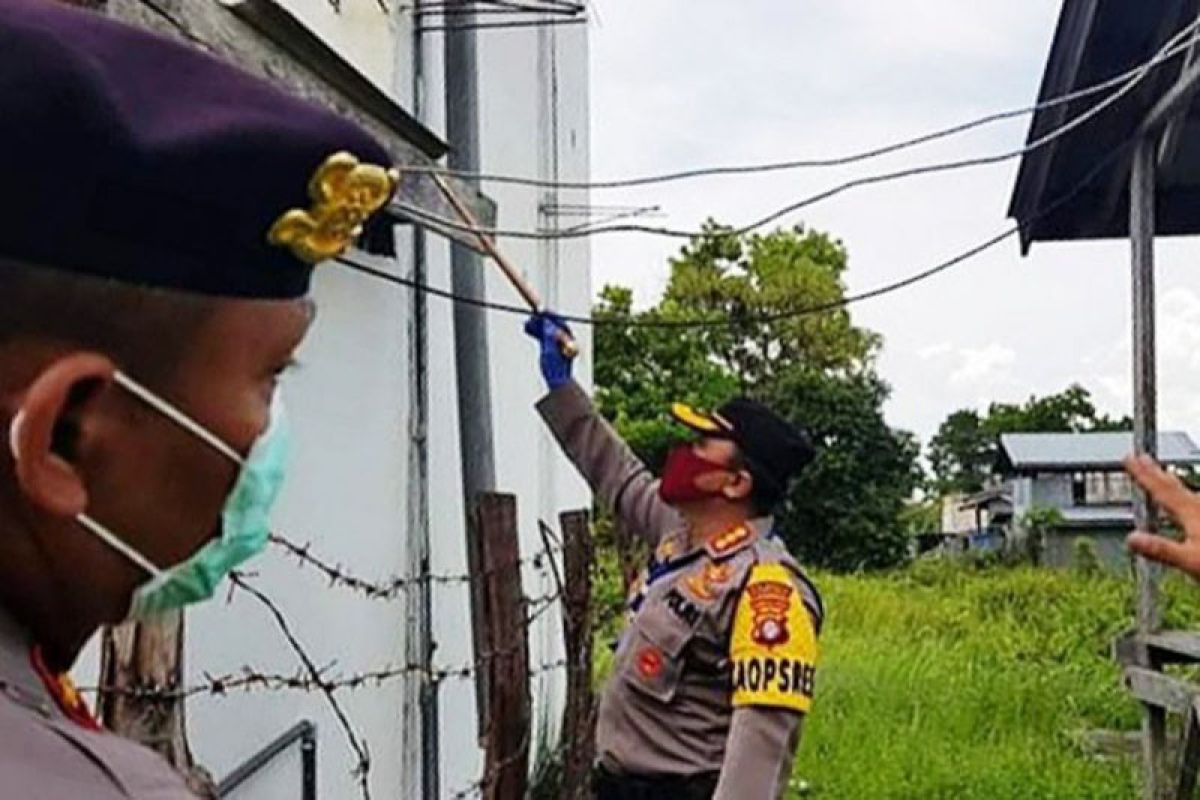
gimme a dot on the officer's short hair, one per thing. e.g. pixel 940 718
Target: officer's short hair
pixel 765 495
pixel 146 330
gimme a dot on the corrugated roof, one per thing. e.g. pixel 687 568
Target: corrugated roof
pixel 1095 41
pixel 1048 452
pixel 1097 516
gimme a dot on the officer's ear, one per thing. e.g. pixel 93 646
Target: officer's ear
pixel 48 427
pixel 741 487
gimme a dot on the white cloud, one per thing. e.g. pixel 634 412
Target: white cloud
pixel 991 365
pixel 935 351
pixel 729 83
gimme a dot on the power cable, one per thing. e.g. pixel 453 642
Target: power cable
pixel 1172 49
pixel 1066 128
pixel 820 308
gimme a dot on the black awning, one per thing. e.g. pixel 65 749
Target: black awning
pixel 1097 40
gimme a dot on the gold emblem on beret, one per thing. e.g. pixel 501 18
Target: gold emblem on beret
pixel 345 193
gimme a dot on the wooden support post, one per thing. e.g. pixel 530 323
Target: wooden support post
pixel 578 717
pixel 144 657
pixel 506 662
pixel 1141 235
pixel 1189 756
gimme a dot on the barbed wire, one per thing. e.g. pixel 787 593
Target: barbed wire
pixel 818 163
pixel 478 786
pixel 362 768
pixel 250 679
pixel 387 588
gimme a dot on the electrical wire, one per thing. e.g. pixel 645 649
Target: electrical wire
pixel 821 308
pixel 1175 48
pixel 421 215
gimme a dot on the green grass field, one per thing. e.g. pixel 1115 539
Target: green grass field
pixel 946 681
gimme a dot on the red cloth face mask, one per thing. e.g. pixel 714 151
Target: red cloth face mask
pixel 680 482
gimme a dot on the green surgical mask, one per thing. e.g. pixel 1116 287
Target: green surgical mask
pixel 244 520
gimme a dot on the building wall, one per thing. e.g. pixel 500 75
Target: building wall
pixel 1062 548
pixel 350 492
pixel 1052 491
pixel 526 128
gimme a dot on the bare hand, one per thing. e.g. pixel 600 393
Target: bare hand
pixel 1177 500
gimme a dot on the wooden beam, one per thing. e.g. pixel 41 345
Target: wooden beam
pixel 1159 690
pixel 1145 425
pixel 1189 755
pixel 141 657
pixel 506 662
pixel 578 717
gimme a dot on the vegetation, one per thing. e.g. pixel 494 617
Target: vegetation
pixel 962 454
pixel 950 681
pixel 818 370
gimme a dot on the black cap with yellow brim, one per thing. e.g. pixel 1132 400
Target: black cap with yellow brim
pixel 776 449
pixel 703 423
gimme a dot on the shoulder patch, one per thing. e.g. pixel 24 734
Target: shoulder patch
pixel 774 644
pixel 723 544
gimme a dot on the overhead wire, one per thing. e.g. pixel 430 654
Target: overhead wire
pixel 1061 131
pixel 725 321
pixel 1172 48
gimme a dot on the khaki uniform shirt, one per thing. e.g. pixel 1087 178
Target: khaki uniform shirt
pixel 45 756
pixel 716 667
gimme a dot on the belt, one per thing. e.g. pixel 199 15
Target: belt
pixel 610 786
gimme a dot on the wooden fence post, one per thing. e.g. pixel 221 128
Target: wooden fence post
pixel 506 660
pixel 144 657
pixel 578 716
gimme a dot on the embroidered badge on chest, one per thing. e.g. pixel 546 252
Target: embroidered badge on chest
pixel 769 603
pixel 703 585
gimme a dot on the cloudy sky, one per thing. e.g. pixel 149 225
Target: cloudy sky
pixel 681 83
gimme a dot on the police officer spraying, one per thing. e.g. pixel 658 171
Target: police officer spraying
pixel 161 215
pixel 715 670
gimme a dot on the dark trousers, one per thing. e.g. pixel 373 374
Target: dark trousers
pixel 653 787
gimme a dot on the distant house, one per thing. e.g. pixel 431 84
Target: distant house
pixel 972 523
pixel 1079 475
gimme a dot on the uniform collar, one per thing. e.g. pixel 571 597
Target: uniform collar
pixel 17 677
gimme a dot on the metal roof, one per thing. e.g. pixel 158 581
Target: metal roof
pixel 1077 452
pixel 1094 42
pixel 1097 516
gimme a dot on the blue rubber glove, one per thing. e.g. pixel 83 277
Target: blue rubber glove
pixel 556 368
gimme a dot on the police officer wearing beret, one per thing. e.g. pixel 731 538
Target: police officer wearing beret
pixel 159 220
pixel 715 670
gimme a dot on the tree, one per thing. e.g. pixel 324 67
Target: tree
pixel 963 452
pixel 816 369
pixel 848 510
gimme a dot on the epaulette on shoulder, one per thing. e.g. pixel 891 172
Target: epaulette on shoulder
pixel 724 545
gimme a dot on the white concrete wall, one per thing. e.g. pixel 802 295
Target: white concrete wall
pixel 517 114
pixel 349 490
pixel 346 495
pixel 361 31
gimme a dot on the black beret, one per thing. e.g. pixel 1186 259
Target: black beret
pixel 775 449
pixel 130 156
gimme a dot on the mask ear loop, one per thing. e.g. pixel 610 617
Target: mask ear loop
pixel 113 541
pixel 178 417
pixel 94 527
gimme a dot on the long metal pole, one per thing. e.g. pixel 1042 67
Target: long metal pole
pixel 467 276
pixel 470 323
pixel 1145 431
pixel 421 700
